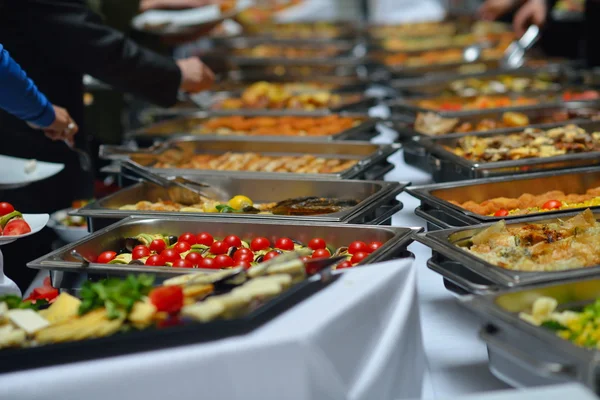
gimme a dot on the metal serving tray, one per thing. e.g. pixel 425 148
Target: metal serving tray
pixel 377 200
pixel 185 125
pixel 447 166
pixel 395 241
pixel 524 355
pixel 439 213
pixel 372 158
pixel 464 272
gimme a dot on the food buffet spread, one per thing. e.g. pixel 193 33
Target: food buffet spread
pixel 263 197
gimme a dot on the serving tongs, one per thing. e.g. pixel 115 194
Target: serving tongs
pixel 180 189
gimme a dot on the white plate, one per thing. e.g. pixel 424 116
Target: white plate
pixel 13 172
pixel 68 234
pixel 36 222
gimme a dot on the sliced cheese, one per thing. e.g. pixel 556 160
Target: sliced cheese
pixel 260 290
pixel 28 320
pixel 64 307
pixel 11 337
pixel 142 313
pixel 204 311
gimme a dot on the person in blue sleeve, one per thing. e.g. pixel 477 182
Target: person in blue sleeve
pixel 20 97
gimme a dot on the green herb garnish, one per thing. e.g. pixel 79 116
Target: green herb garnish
pixel 13 302
pixel 224 208
pixel 554 325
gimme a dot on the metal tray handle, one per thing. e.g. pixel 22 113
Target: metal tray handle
pixel 460 281
pixel 431 219
pixel 108 151
pixel 541 368
pixel 389 213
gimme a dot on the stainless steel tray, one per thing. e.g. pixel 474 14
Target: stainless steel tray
pixel 467 273
pixel 377 200
pixel 395 241
pixel 185 125
pixel 447 166
pixel 372 158
pixel 439 213
pixel 522 354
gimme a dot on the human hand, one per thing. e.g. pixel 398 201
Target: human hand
pixel 195 75
pixel 494 9
pixel 63 127
pixel 532 13
pixel 146 5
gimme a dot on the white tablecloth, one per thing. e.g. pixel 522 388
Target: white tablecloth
pixel 358 339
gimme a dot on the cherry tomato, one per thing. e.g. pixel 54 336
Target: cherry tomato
pixel 219 248
pixel 140 252
pixel 244 264
pixel 223 261
pixel 47 293
pixel 501 213
pixel 170 255
pixel 304 259
pixel 260 243
pixel 284 244
pixel 358 257
pixel 270 255
pixel 194 258
pixel 205 239
pixel 168 299
pixel 358 247
pixel 317 243
pixel 237 256
pixel 232 241
pixel 16 227
pixel 182 247
pixel 321 253
pixel 208 263
pixel 6 208
pixel 552 204
pixel 344 265
pixel 158 245
pixel 156 261
pixel 182 263
pixel 106 257
pixel 243 250
pixel 188 238
pixel 374 246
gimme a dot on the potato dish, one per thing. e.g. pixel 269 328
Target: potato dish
pixel 433 57
pixel 531 143
pixel 556 246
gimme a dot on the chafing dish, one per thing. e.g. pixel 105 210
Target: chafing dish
pixel 186 125
pixel 522 354
pixel 377 200
pixel 464 272
pixel 395 241
pixel 372 159
pixel 439 213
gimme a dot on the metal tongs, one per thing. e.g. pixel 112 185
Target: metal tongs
pixel 180 190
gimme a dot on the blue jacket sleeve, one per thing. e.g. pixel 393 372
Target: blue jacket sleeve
pixel 19 95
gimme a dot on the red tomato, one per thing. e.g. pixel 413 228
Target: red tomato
pixel 106 257
pixel 208 263
pixel 156 260
pixel 237 256
pixel 205 239
pixel 168 299
pixel 232 241
pixel 270 255
pixel 182 247
pixel 219 248
pixel 321 253
pixel 374 246
pixel 16 227
pixel 6 208
pixel 358 247
pixel 304 259
pixel 43 293
pixel 140 252
pixel 181 263
pixel 194 258
pixel 244 264
pixel 223 261
pixel 284 244
pixel 188 238
pixel 501 213
pixel 344 265
pixel 260 243
pixel 358 257
pixel 158 245
pixel 47 281
pixel 549 205
pixel 317 243
pixel 170 255
pixel 243 250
